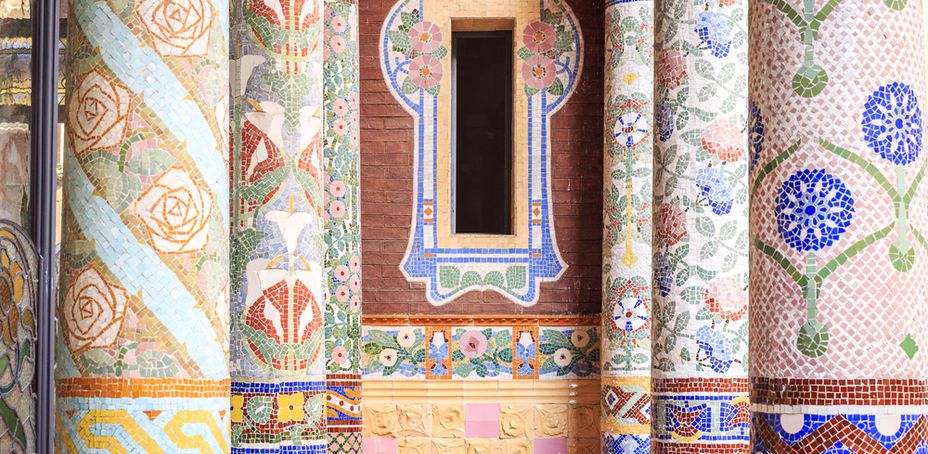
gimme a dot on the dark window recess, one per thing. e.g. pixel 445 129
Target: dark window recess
pixel 482 132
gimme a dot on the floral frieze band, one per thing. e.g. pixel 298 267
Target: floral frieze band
pixel 416 64
pixel 444 351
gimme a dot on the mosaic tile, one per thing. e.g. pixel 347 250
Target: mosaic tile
pixel 482 353
pixel 569 352
pixel 415 61
pixel 396 352
pixel 143 291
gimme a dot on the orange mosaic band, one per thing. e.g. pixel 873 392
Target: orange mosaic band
pixel 114 388
pixel 482 320
pixel 703 448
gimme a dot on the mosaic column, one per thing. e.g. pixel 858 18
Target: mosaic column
pixel 839 257
pixel 278 237
pixel 343 227
pixel 142 354
pixel 627 254
pixel 700 261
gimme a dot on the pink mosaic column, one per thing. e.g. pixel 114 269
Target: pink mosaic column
pixel 278 286
pixel 839 323
pixel 700 264
pixel 342 153
pixel 627 277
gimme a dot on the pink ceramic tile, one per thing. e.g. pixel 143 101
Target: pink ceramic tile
pixel 481 420
pixel 379 445
pixel 549 446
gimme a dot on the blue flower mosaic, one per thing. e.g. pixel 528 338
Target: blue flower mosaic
pixel 715 32
pixel 756 130
pixel 716 188
pixel 813 210
pixel 665 121
pixel 663 273
pixel 892 123
pixel 716 347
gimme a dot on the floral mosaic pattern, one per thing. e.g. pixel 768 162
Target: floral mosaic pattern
pixel 838 205
pixel 341 154
pixel 700 331
pixel 414 58
pixel 18 264
pixel 627 222
pixel 480 353
pixel 279 223
pixel 144 284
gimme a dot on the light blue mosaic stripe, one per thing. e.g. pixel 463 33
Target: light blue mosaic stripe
pixel 143 71
pixel 139 269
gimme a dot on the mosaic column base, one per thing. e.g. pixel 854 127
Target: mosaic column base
pixel 142 415
pixel 701 415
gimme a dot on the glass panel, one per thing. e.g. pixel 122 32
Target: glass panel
pixel 482 122
pixel 15 101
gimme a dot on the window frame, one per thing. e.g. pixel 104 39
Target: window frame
pixel 484 33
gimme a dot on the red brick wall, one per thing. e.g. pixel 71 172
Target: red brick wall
pixel 387 173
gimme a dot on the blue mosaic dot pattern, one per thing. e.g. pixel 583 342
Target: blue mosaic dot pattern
pixel 813 209
pixel 892 123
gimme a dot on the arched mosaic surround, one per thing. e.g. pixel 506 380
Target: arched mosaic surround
pixel 414 61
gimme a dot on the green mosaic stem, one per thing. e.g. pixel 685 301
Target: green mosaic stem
pixel 850 252
pixel 772 165
pixel 902 213
pixel 811 288
pixel 863 164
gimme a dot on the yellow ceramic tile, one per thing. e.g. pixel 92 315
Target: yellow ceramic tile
pixel 551 421
pixel 449 446
pixel 583 445
pixel 483 446
pixel 448 421
pixel 414 446
pixel 583 421
pixel 414 420
pixel 379 420
pixel 517 446
pixel 516 421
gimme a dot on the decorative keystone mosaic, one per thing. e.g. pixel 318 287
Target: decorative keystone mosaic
pixel 416 64
pixel 627 225
pixel 437 352
pixel 279 214
pixel 142 349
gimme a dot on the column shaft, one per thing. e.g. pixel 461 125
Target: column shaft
pixel 278 222
pixel 700 341
pixel 839 257
pixel 142 355
pixel 627 253
pixel 343 228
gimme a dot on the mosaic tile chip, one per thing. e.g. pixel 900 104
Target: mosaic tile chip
pixel 569 352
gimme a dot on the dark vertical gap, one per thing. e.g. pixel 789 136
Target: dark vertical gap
pixel 42 220
pixel 482 122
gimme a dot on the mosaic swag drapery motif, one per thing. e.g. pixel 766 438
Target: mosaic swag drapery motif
pixel 627 226
pixel 142 353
